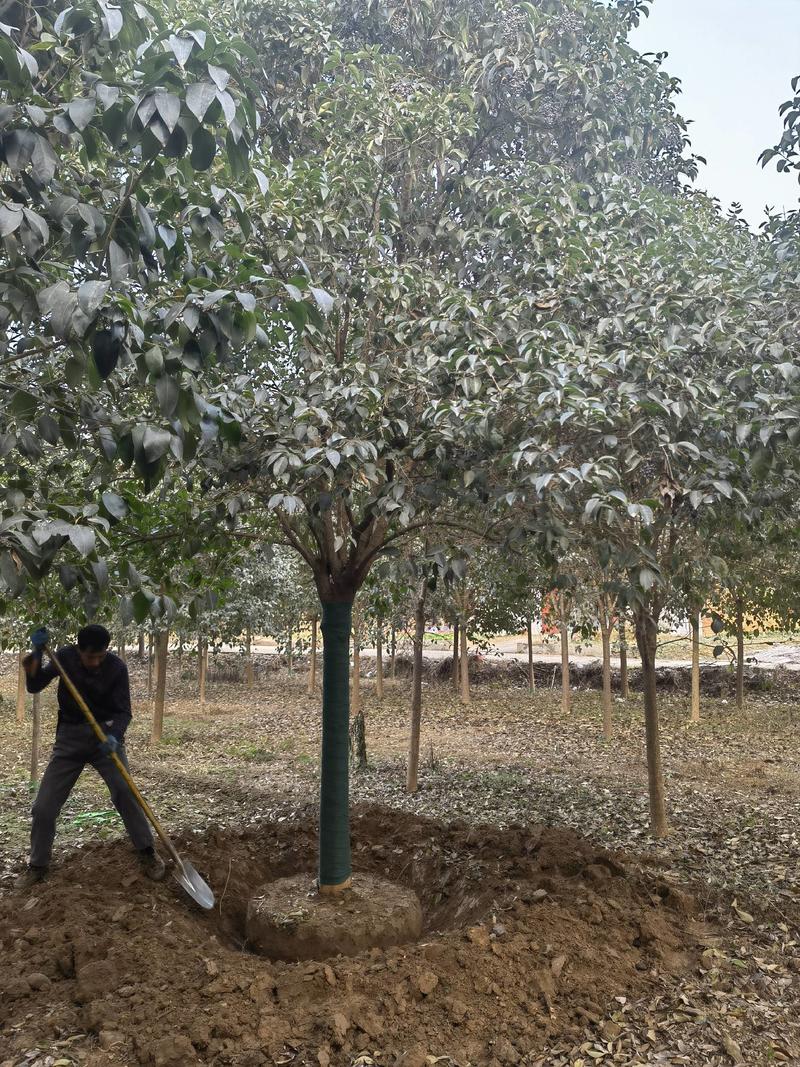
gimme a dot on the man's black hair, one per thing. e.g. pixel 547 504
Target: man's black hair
pixel 93 638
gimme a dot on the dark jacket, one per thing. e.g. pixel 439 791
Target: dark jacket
pixel 106 690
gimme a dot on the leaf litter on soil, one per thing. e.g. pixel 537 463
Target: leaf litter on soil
pixel 564 978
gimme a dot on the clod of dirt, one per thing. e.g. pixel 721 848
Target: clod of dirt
pixel 289 920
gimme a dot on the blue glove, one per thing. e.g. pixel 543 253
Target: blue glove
pixel 39 638
pixel 109 745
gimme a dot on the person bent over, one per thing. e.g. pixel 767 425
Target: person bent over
pixel 101 678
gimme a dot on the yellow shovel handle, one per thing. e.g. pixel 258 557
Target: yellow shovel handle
pixel 123 770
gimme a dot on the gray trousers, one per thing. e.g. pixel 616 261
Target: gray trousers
pixel 76 746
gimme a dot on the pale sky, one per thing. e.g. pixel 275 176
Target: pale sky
pixel 736 59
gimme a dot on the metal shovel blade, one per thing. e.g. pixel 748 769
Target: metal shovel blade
pixel 186 876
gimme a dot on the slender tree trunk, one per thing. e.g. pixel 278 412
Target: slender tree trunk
pixel 531 674
pixel 290 652
pixel 121 647
pixel 416 691
pixel 379 663
pixel 150 654
pixel 456 655
pixel 739 654
pixel 608 703
pixel 647 641
pixel 312 662
pixel 141 651
pixel 355 697
pixel 335 868
pixel 464 668
pixel 162 651
pixel 202 668
pixel 393 653
pixel 566 693
pixel 21 689
pixel 623 657
pixel 37 722
pixel 181 642
pixel 694 621
pixel 248 651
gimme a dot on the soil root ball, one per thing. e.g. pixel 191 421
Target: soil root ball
pixel 289 920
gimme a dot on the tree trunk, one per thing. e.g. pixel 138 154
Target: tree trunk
pixel 739 654
pixel 150 653
pixel 456 654
pixel 181 642
pixel 464 668
pixel 623 658
pixel 312 662
pixel 290 652
pixel 140 653
pixel 37 717
pixel 566 693
pixel 608 704
pixel 162 651
pixel 416 691
pixel 121 648
pixel 355 697
pixel 335 868
pixel 21 689
pixel 694 621
pixel 531 674
pixel 379 663
pixel 248 664
pixel 393 652
pixel 202 668
pixel 647 640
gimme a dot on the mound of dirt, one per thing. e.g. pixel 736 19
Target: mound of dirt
pixel 528 934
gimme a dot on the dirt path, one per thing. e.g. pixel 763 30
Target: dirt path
pixel 715 983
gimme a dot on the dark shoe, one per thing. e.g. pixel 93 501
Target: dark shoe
pixel 152 864
pixel 30 877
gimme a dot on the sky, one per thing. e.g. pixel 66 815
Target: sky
pixel 736 60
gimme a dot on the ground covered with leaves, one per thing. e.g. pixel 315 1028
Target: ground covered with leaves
pixel 556 931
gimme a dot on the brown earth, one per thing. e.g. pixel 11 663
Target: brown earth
pixel 529 935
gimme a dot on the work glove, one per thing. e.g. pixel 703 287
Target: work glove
pixel 39 638
pixel 109 745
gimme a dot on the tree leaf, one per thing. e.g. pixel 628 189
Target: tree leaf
pixel 155 443
pixel 83 538
pixel 181 48
pixel 114 505
pixel 169 108
pixel 91 295
pixel 204 148
pixel 81 111
pixel 199 98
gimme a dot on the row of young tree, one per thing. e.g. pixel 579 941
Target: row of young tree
pixel 386 274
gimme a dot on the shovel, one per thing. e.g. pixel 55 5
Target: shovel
pixel 183 872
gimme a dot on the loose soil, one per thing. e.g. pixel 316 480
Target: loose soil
pixel 556 932
pixel 528 934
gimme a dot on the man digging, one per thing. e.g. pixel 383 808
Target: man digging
pixel 101 678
